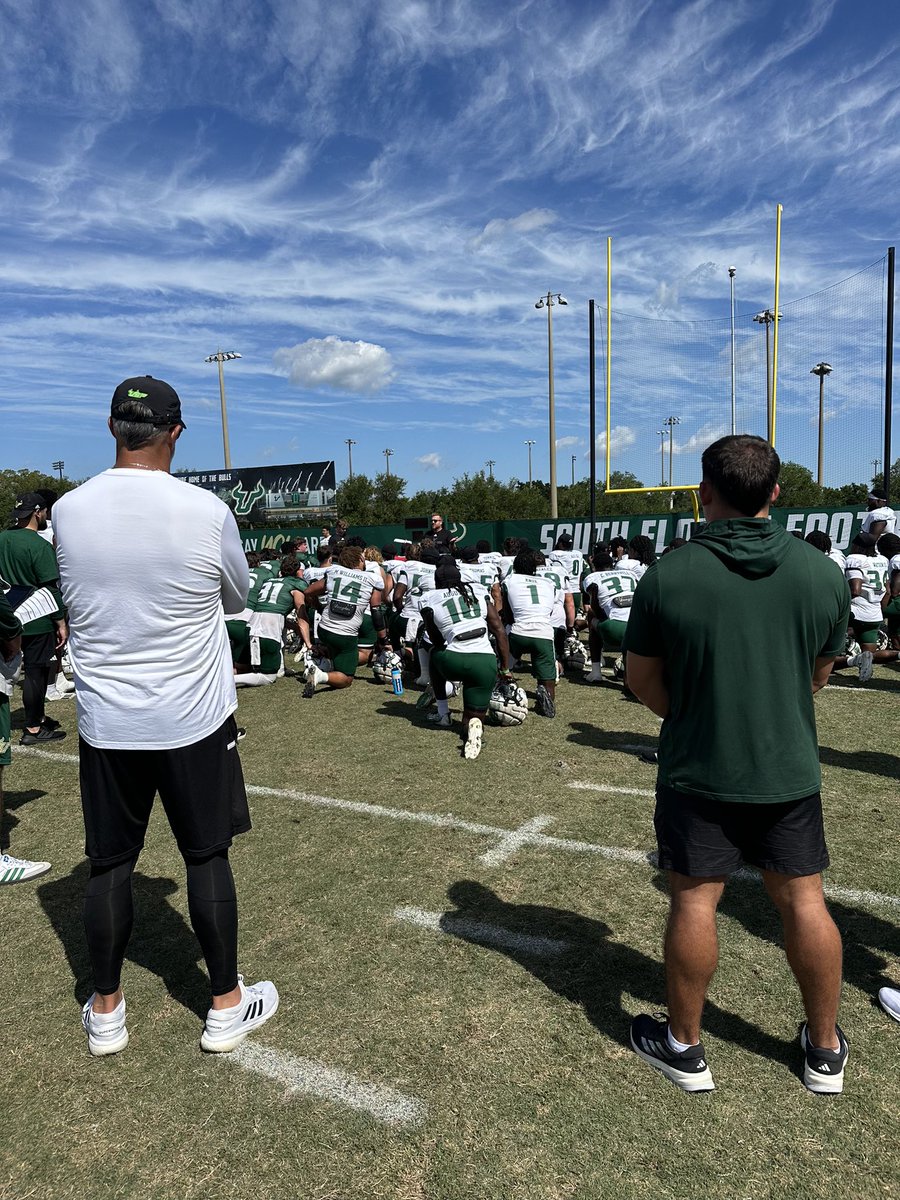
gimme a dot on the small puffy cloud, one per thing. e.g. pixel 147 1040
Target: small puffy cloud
pixel 526 222
pixel 622 436
pixel 431 462
pixel 330 362
pixel 561 443
pixel 705 436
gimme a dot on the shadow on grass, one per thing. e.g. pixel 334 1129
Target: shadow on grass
pixel 11 801
pixel 162 942
pixel 870 762
pixel 593 970
pixel 878 683
pixel 584 734
pixel 868 940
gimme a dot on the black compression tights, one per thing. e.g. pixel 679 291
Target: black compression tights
pixel 212 904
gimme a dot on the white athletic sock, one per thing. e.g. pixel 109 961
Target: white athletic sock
pixel 321 676
pixel 674 1044
pixel 423 663
pixel 443 707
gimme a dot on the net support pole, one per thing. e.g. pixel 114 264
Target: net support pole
pixel 593 422
pixel 608 351
pixel 888 372
pixel 778 212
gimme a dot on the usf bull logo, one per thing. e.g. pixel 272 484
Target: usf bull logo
pixel 244 500
pixel 458 531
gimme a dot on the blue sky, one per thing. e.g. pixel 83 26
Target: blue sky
pixel 366 200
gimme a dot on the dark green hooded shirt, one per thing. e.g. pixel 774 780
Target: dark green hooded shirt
pixel 739 616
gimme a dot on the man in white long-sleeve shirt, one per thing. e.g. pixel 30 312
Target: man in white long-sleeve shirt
pixel 149 566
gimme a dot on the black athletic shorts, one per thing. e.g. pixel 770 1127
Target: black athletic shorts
pixel 201 787
pixel 38 649
pixel 702 837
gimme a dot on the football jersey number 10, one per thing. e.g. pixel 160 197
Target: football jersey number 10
pixel 458 610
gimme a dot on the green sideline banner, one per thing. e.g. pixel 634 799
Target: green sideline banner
pixel 839 523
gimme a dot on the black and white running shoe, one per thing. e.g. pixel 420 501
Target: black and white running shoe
pixel 823 1070
pixel 688 1069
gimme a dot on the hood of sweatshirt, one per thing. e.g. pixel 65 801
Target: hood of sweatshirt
pixel 752 546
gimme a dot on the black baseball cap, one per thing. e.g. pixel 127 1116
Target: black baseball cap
pixel 28 503
pixel 159 397
pixel 564 541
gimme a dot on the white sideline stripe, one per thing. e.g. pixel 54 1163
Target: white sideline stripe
pixel 314 1078
pixel 448 821
pixel 36 752
pixel 478 931
pixel 514 841
pixel 583 786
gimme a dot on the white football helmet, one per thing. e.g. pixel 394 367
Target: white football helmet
pixel 509 705
pixel 384 663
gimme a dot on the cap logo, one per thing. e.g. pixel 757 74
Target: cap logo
pixel 134 394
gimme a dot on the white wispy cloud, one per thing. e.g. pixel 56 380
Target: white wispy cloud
pixel 526 222
pixel 330 362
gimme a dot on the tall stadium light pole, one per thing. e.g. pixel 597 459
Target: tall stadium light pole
pixel 387 461
pixel 731 272
pixel 490 464
pixel 670 423
pixel 58 466
pixel 876 463
pixel 662 435
pixel 766 318
pixel 821 369
pixel 548 302
pixel 349 443
pixel 888 373
pixel 529 444
pixel 220 357
pixel 574 457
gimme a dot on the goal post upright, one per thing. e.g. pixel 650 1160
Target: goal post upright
pixel 771 430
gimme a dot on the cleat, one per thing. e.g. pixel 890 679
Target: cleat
pixel 309 687
pixel 440 721
pixel 544 704
pixel 472 748
pixel 426 699
pixel 44 734
pixel 889 999
pixel 865 661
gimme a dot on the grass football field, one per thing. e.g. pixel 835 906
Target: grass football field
pixel 460 947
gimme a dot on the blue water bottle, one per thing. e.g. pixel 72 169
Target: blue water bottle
pixel 397 681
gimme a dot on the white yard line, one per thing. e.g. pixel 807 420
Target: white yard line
pixel 583 786
pixel 535 838
pixel 514 841
pixel 480 932
pixel 310 1077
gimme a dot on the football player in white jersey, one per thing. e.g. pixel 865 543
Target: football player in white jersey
pixel 415 577
pixel 640 551
pixel 485 574
pixel 572 564
pixel 367 633
pixel 867 575
pixel 879 520
pixel 563 608
pixel 608 590
pixel 458 618
pixel 346 592
pixel 889 546
pixel 621 555
pixel 528 602
pixel 821 541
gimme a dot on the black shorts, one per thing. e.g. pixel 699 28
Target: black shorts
pixel 38 649
pixel 702 837
pixel 201 787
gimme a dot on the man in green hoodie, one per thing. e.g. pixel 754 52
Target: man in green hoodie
pixel 739 771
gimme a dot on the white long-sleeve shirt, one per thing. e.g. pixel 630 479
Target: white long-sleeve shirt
pixel 149 566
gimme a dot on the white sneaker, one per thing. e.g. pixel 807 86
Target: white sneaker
pixel 56 693
pixel 472 747
pixel 62 684
pixel 106 1032
pixel 17 870
pixel 226 1028
pixel 889 999
pixel 865 665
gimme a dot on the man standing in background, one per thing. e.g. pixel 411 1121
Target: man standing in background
pixel 739 774
pixel 27 562
pixel 149 567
